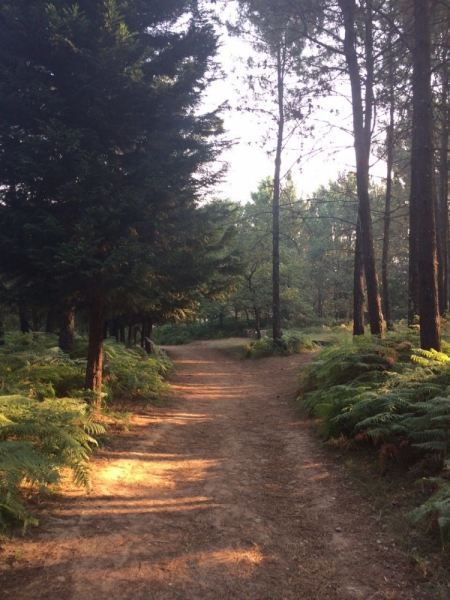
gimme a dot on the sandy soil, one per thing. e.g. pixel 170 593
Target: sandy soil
pixel 225 494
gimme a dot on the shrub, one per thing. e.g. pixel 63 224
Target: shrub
pixel 38 439
pixel 134 373
pixel 391 394
pixel 290 343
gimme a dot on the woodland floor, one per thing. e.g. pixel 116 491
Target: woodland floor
pixel 225 493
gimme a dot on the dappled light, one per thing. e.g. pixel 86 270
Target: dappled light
pixel 221 494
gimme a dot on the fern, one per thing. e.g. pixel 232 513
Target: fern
pixel 38 439
pixel 437 507
pixel 133 373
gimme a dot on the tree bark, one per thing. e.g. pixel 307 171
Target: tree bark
pixel 67 329
pixel 257 322
pixel 114 329
pixel 422 178
pixel 147 328
pixel 442 205
pixel 276 318
pixel 95 348
pixel 362 122
pixel 388 197
pixel 358 286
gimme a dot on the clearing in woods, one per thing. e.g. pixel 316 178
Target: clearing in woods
pixel 224 494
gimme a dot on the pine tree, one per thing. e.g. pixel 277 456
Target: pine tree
pixel 99 144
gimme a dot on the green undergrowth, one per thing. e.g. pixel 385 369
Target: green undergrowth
pixel 390 395
pixel 46 422
pixel 175 334
pixel 133 373
pixel 290 343
pixel 38 438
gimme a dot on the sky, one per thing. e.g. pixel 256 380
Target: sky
pixel 313 162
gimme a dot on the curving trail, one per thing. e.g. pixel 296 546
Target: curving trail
pixel 223 495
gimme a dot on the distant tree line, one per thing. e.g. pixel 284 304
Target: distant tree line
pixel 394 57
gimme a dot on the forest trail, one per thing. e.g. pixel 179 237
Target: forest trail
pixel 224 494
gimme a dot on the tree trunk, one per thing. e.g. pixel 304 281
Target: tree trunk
pixel 442 206
pixel 24 317
pixel 276 324
pixel 114 329
pixel 319 310
pixel 236 320
pixel 147 328
pixel 95 348
pixel 358 286
pixel 422 178
pixel 130 335
pixel 35 319
pixel 362 122
pixel 413 269
pixel 388 198
pixel 66 330
pixel 257 323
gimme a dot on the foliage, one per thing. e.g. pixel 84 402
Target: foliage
pixel 38 439
pixel 173 334
pixel 100 207
pixel 133 373
pixel 290 343
pixel 391 395
pixel 41 430
pixel 32 365
pixel 436 508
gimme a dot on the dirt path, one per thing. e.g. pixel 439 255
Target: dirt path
pixel 224 495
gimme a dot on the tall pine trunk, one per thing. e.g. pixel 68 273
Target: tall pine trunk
pixel 388 197
pixel 422 179
pixel 276 327
pixel 95 348
pixel 362 123
pixel 442 206
pixel 358 285
pixel 147 330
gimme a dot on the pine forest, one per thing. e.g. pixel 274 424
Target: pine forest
pixel 115 245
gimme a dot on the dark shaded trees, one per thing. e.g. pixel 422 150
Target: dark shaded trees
pixel 101 148
pixel 422 201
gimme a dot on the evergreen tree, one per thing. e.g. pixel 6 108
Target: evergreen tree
pixel 102 152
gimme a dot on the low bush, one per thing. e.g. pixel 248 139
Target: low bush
pixel 38 439
pixel 175 334
pixel 134 373
pixel 290 343
pixel 45 422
